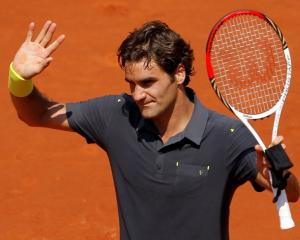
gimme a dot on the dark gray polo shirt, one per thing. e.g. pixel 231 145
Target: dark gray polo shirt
pixel 180 190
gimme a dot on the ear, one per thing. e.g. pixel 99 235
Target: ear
pixel 180 74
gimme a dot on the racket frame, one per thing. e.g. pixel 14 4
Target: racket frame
pixel 285 217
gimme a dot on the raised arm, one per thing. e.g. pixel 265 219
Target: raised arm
pixel 31 59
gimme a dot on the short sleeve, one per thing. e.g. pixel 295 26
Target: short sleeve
pixel 242 155
pixel 241 140
pixel 246 170
pixel 91 118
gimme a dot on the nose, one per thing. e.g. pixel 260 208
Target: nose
pixel 138 93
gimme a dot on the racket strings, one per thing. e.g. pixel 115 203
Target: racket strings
pixel 249 64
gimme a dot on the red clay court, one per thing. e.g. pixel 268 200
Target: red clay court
pixel 56 187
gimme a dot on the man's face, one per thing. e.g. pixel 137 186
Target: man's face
pixel 153 90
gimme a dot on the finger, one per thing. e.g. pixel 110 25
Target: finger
pixel 259 153
pixel 259 149
pixel 261 156
pixel 53 46
pixel 48 35
pixel 266 173
pixel 266 163
pixel 30 32
pixel 47 61
pixel 43 32
pixel 283 145
pixel 277 140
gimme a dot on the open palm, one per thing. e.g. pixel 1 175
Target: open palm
pixel 35 55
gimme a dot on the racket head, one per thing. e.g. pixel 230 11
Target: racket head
pixel 248 63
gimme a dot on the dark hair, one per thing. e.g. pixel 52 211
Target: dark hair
pixel 156 41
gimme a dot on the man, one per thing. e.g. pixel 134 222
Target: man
pixel 175 163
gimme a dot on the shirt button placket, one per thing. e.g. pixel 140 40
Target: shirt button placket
pixel 159 163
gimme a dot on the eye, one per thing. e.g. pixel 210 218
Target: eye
pixel 147 83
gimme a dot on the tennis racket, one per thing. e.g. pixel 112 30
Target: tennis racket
pixel 249 67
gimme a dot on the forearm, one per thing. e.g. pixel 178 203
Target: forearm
pixel 292 189
pixel 33 57
pixel 31 109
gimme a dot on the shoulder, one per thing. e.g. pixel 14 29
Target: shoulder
pixel 97 117
pixel 108 103
pixel 220 122
pixel 229 130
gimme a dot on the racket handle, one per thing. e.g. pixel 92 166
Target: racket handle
pixel 285 217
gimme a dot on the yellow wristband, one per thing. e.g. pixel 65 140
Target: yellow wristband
pixel 17 85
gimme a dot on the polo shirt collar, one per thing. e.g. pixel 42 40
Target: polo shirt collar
pixel 193 131
pixel 146 124
pixel 196 126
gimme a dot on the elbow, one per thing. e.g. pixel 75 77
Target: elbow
pixel 294 197
pixel 293 189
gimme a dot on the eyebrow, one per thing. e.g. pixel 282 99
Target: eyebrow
pixel 142 80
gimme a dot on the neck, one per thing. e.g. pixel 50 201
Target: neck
pixel 176 118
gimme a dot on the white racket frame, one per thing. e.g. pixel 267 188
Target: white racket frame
pixel 285 216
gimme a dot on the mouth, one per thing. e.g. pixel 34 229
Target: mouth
pixel 145 105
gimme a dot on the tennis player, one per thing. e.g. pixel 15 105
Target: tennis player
pixel 175 163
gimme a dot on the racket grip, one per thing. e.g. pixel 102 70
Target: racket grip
pixel 285 217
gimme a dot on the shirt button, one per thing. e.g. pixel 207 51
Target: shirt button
pixel 158 166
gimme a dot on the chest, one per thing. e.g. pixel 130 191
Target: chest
pixel 181 168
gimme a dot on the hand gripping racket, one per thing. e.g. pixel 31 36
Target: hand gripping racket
pixel 249 67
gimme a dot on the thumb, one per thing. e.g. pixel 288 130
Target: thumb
pixel 259 151
pixel 48 61
pixel 260 159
